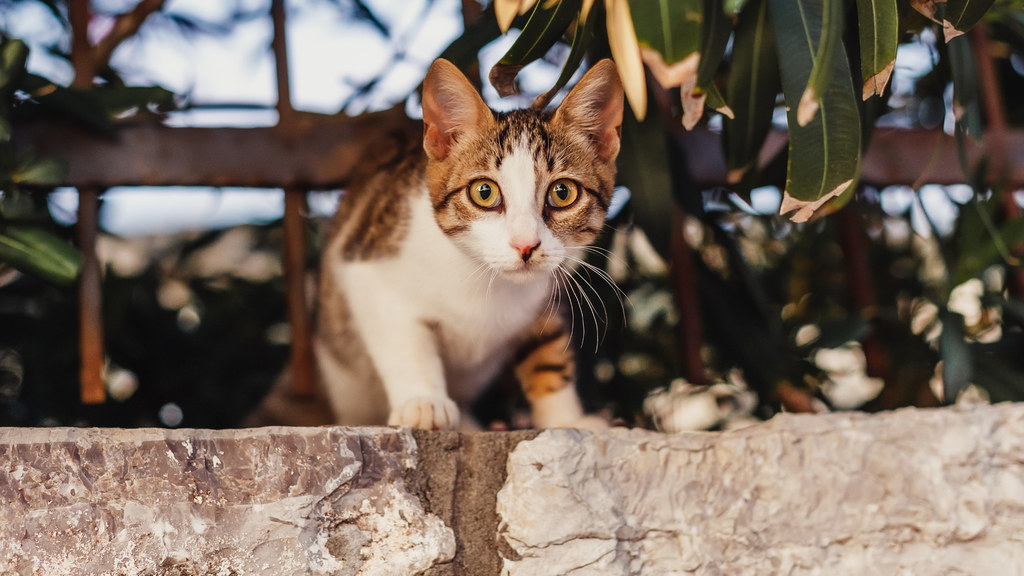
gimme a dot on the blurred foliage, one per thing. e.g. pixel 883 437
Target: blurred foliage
pixel 926 308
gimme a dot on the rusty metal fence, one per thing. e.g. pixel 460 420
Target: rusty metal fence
pixel 303 152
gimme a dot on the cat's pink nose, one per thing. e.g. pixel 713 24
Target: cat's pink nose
pixel 525 249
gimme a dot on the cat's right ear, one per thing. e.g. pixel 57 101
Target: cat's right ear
pixel 451 106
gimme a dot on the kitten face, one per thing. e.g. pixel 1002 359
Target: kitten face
pixel 520 192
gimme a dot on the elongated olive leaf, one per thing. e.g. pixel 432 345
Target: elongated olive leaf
pixel 716 101
pixel 878 25
pixel 644 168
pixel 734 7
pixel 980 243
pixel 546 25
pixel 80 105
pixel 961 15
pixel 124 98
pixel 669 33
pixel 966 106
pixel 752 87
pixel 37 251
pixel 715 32
pixel 581 40
pixel 824 154
pixel 957 367
pixel 824 60
pixel 13 54
pixel 714 40
pixel 40 172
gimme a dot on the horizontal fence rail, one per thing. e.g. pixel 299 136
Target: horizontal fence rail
pixel 325 151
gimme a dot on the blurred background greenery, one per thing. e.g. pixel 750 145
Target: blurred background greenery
pixel 882 294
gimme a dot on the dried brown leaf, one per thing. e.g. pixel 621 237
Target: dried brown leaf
pixel 876 84
pixel 807 209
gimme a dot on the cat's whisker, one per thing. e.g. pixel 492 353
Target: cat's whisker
pixel 487 294
pixel 603 275
pixel 477 273
pixel 601 272
pixel 581 297
pixel 606 253
pixel 550 307
pixel 572 311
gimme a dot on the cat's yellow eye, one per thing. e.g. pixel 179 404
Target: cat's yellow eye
pixel 563 193
pixel 485 193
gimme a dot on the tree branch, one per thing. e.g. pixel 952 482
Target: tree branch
pixel 125 25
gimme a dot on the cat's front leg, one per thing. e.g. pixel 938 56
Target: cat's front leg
pixel 547 372
pixel 403 349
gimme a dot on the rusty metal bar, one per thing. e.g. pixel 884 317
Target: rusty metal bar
pixel 691 326
pixel 303 375
pixel 90 297
pixel 90 300
pixel 81 51
pixel 326 149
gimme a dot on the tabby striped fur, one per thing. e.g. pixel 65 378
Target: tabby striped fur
pixel 425 295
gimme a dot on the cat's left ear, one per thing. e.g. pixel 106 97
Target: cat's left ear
pixel 451 106
pixel 595 105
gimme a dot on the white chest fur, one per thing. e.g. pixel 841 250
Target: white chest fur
pixel 473 315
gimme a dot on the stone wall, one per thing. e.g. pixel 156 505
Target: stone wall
pixel 909 492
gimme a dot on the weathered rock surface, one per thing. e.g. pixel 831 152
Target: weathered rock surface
pixel 240 502
pixel 910 492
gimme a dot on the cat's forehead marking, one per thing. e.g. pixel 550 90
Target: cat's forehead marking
pixel 518 126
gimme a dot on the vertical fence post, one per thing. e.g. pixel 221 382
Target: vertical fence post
pixel 303 376
pixel 90 299
pixel 90 319
pixel 684 277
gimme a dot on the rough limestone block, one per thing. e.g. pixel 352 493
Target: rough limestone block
pixel 910 492
pixel 231 503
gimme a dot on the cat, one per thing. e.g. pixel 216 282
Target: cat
pixel 439 273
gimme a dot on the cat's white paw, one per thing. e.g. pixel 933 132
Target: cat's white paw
pixel 427 413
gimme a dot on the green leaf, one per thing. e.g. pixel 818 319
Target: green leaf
pixel 36 251
pixel 581 40
pixel 13 55
pixel 714 40
pixel 734 7
pixel 546 25
pixel 716 101
pixel 966 106
pixel 957 368
pixel 824 60
pixel 752 87
pixel 644 168
pixel 41 172
pixel 121 99
pixel 824 154
pixel 878 24
pixel 80 105
pixel 980 244
pixel 961 15
pixel 670 28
